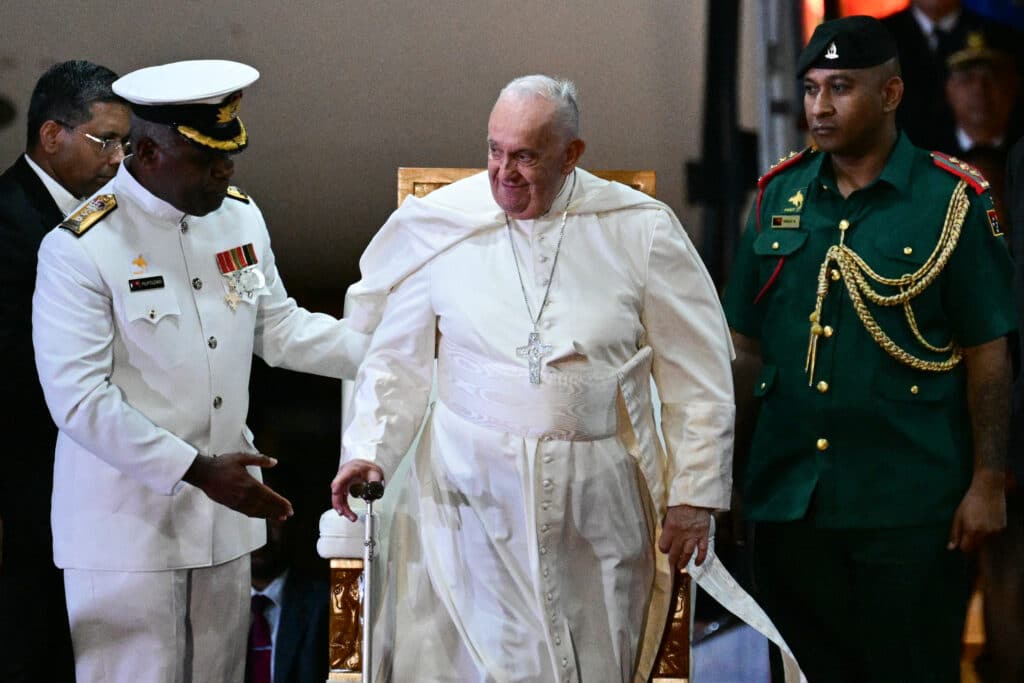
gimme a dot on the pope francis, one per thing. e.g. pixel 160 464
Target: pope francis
pixel 525 542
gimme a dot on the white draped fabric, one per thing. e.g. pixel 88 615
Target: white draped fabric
pixel 522 544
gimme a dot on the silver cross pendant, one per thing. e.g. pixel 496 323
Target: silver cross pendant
pixel 534 351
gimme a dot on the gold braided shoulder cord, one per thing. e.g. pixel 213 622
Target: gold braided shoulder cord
pixel 857 275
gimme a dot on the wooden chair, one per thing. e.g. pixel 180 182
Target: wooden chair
pixel 673 662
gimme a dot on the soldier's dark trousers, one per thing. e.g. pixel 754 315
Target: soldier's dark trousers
pixel 860 605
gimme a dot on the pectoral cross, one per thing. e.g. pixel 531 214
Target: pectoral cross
pixel 534 351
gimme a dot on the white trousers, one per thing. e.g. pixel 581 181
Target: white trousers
pixel 174 626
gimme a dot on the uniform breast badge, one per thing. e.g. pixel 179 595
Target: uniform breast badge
pixel 241 276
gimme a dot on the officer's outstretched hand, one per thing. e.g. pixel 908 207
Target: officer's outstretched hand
pixel 684 530
pixel 352 472
pixel 982 511
pixel 225 480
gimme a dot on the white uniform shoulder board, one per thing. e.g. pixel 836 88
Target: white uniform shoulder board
pixel 89 214
pixel 235 193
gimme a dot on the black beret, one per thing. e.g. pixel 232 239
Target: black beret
pixel 855 42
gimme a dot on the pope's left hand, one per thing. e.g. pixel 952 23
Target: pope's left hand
pixel 685 529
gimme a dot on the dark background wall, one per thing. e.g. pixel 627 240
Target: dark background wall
pixel 350 90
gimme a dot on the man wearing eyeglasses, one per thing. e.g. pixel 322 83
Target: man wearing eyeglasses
pixel 76 125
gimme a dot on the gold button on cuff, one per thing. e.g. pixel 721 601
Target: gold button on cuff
pixel 908 250
pixel 836 275
pixel 822 444
pixel 828 331
pixel 915 390
pixel 844 224
pixel 775 245
pixel 822 386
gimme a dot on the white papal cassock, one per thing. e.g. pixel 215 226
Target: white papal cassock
pixel 522 545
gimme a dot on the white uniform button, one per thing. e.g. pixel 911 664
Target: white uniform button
pixel 197 283
pixel 558 640
pixel 217 401
pixel 543 550
pixel 546 571
pixel 152 314
pixel 545 527
pixel 549 597
pixel 548 483
pixel 542 259
pixel 184 225
pixel 212 342
pixel 565 662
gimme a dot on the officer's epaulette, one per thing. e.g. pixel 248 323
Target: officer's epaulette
pixel 961 169
pixel 235 193
pixel 89 214
pixel 785 162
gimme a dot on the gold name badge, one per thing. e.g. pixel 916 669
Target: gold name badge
pixel 785 222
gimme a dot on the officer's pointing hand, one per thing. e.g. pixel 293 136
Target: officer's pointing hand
pixel 225 480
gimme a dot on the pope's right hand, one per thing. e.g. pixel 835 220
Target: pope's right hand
pixel 352 472
pixel 225 480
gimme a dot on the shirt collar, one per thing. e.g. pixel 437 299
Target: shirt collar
pixel 126 184
pixel 274 590
pixel 946 23
pixel 64 200
pixel 966 143
pixel 896 172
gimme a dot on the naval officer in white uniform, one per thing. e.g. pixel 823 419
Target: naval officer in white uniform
pixel 150 300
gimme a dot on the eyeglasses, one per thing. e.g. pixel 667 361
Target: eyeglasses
pixel 111 146
pixel 108 146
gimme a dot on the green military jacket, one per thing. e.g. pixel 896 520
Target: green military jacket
pixel 868 441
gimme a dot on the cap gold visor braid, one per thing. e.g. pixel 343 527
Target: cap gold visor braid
pixel 234 144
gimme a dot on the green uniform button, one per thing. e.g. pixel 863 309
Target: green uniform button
pixel 823 386
pixel 775 245
pixel 822 444
pixel 828 331
pixel 915 390
pixel 908 250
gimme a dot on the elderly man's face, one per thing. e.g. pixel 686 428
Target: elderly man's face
pixel 194 179
pixel 527 156
pixel 981 95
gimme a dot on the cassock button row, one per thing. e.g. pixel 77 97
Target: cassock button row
pixel 197 283
pixel 217 401
pixel 565 662
pixel 212 342
pixel 549 597
pixel 558 640
pixel 548 483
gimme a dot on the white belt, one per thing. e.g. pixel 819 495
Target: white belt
pixel 565 406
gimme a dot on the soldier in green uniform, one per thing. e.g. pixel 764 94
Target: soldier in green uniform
pixel 870 303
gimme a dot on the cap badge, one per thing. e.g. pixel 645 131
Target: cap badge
pixel 229 112
pixel 832 52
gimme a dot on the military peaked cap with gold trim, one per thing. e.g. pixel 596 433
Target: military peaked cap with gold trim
pixel 199 98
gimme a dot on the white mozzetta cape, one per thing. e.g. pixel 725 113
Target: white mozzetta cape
pixel 522 547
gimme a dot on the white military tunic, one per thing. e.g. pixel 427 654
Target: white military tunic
pixel 140 381
pixel 522 547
